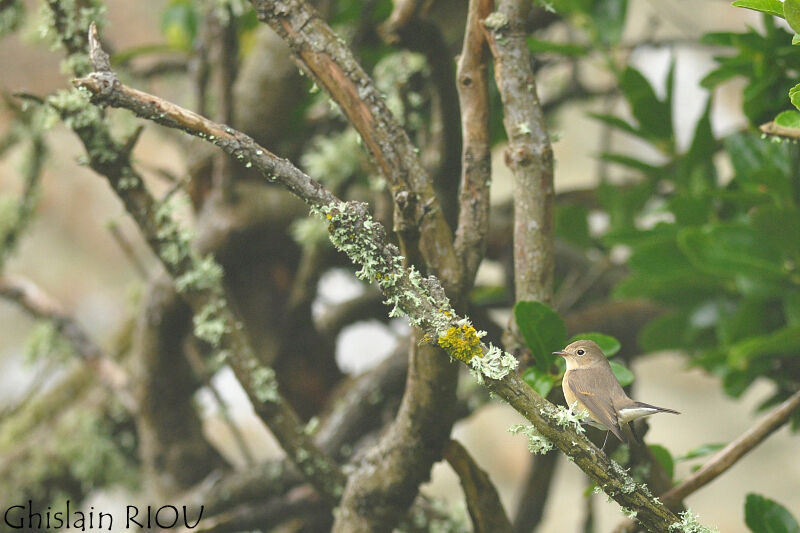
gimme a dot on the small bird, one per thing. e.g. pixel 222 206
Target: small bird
pixel 590 382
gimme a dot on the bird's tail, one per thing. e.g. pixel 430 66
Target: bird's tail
pixel 642 405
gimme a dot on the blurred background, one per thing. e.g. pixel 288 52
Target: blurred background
pixel 75 250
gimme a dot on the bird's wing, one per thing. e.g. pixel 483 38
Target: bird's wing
pixel 582 383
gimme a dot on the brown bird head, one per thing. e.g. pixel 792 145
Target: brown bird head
pixel 582 354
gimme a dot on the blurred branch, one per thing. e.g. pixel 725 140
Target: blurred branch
pixel 126 247
pixel 483 502
pixel 531 502
pixel 421 299
pixel 366 306
pixel 331 64
pixel 215 322
pixel 41 306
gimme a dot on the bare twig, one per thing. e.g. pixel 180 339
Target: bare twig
pixel 422 300
pixel 529 154
pixel 771 128
pixel 483 502
pixel 473 95
pixel 40 305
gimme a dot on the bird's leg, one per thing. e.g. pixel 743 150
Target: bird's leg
pixel 605 440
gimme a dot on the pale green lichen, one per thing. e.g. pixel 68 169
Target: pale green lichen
pixel 630 513
pixel 495 364
pixel 11 16
pixel 206 274
pixel 495 21
pixel 308 231
pixel 264 384
pixel 571 417
pixel 537 443
pixel 690 524
pixel 334 158
pixel 209 326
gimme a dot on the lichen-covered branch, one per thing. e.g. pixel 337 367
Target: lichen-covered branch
pixel 421 299
pixel 199 280
pixel 529 154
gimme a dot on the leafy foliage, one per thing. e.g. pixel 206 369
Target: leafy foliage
pixel 763 515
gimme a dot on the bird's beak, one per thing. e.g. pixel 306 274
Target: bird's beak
pixel 562 353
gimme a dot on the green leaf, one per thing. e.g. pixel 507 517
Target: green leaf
pixel 779 226
pixel 785 340
pixel 794 95
pixel 664 458
pixel 631 162
pixel 696 171
pixel 543 330
pixel 796 39
pixel 608 17
pixel 623 375
pixel 763 515
pixel 540 381
pixel 666 332
pixel 791 12
pixel 772 7
pixel 653 115
pixel 788 119
pixel 700 451
pixel 607 343
pixel 179 24
pixel 617 122
pixel 730 250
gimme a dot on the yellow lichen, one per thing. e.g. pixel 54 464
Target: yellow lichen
pixel 461 342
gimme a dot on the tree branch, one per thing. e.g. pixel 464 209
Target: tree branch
pixel 421 299
pixel 529 154
pixel 483 502
pixel 198 280
pixel 328 60
pixel 41 306
pixel 476 164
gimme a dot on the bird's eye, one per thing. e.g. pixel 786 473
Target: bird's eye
pixel 581 351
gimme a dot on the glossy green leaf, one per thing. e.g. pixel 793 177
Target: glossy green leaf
pixel 788 119
pixel 621 372
pixel 794 95
pixel 542 329
pixel 772 7
pixel 608 16
pixel 779 226
pixel 617 122
pixel 763 515
pixel 696 171
pixel 539 380
pixel 700 451
pixel 664 458
pixel 791 12
pixel 796 39
pixel 607 343
pixel 633 163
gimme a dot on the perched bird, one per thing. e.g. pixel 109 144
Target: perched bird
pixel 590 382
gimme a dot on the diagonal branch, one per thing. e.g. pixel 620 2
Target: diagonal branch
pixel 483 502
pixel 42 306
pixel 422 300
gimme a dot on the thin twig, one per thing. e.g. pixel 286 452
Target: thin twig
pixel 41 306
